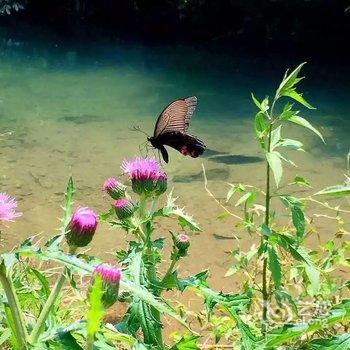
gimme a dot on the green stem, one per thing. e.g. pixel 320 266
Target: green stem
pixel 17 314
pixel 49 304
pixel 174 260
pixel 151 271
pixel 265 293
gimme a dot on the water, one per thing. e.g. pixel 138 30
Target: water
pixel 70 108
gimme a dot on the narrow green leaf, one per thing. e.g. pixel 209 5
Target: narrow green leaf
pixel 265 230
pixel 187 342
pixel 275 136
pixel 249 197
pixel 96 310
pixel 338 190
pixel 274 266
pixel 293 145
pixel 276 166
pixel 340 342
pixel 303 122
pixel 261 128
pixel 297 97
pixel 300 181
pixel 298 220
pixel 289 81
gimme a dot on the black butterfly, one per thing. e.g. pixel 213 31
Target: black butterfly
pixel 171 129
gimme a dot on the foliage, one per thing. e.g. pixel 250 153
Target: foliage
pixel 7 6
pixel 294 298
pixel 290 297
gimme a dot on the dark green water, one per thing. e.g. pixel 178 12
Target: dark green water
pixel 70 108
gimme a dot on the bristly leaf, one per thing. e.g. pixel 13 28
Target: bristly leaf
pixel 96 310
pixel 274 266
pixel 276 166
pixel 171 209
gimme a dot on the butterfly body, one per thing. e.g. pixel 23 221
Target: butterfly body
pixel 171 130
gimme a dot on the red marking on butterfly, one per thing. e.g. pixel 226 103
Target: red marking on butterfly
pixel 171 129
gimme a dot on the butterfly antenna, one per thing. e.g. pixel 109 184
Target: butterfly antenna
pixel 137 128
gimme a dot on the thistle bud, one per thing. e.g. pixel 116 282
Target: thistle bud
pixel 123 208
pixel 114 188
pixel 111 277
pixel 81 228
pixel 182 242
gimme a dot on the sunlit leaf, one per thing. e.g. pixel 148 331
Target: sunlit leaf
pixel 274 266
pixel 297 97
pixel 263 106
pixel 341 342
pixel 301 181
pixel 338 190
pixel 275 137
pixel 293 145
pixel 248 198
pixel 289 81
pixel 303 122
pixel 276 165
pixel 187 342
pixel 96 310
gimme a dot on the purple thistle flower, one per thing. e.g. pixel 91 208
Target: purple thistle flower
pixel 146 176
pixel 111 277
pixel 8 207
pixel 123 208
pixel 114 188
pixel 182 243
pixel 81 228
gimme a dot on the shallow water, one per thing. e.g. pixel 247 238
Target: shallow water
pixel 70 110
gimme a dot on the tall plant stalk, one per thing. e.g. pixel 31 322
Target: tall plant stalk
pixel 16 312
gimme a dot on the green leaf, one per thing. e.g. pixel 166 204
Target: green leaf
pixel 170 209
pixel 5 335
pixel 293 145
pixel 303 122
pixel 338 190
pixel 261 127
pixel 187 342
pixel 276 165
pixel 341 342
pixel 297 97
pixel 96 310
pixel 275 137
pixel 301 181
pixel 298 220
pixel 279 336
pixel 248 198
pixel 274 266
pixel 265 230
pixel 263 106
pixel 289 81
pixel 66 341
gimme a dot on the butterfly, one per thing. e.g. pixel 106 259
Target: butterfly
pixel 171 129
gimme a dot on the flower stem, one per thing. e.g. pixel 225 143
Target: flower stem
pixel 265 293
pixel 16 312
pixel 49 304
pixel 151 271
pixel 174 260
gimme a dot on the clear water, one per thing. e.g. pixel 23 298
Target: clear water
pixel 70 109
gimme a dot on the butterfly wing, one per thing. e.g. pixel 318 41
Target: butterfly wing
pixel 176 116
pixel 184 143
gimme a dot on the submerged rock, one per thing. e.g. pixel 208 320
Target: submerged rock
pixel 212 174
pixel 236 159
pixel 83 119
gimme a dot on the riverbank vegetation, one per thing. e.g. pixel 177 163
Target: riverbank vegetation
pixel 56 296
